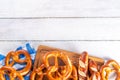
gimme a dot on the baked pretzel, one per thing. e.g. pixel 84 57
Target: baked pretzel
pixel 11 72
pixel 15 56
pixel 83 66
pixel 73 75
pixel 57 72
pixel 110 66
pixel 93 68
pixel 40 71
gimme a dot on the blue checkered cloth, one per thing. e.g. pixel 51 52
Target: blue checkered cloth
pixel 30 50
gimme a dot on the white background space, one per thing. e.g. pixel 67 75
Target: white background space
pixel 75 25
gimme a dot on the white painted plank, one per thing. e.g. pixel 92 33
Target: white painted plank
pixel 60 29
pixel 59 8
pixel 106 50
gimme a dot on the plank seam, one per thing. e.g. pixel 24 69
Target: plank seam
pixel 59 40
pixel 53 17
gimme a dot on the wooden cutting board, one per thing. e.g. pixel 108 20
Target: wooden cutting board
pixel 72 55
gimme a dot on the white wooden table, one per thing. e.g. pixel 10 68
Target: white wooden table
pixel 75 25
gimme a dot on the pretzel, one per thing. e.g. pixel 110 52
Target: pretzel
pixel 73 75
pixel 110 66
pixel 57 72
pixel 15 59
pixel 83 66
pixel 93 68
pixel 40 71
pixel 11 72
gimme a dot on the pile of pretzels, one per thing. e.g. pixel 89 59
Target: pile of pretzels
pixel 85 70
pixel 12 58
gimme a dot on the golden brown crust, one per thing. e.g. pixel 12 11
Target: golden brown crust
pixel 74 57
pixel 11 72
pixel 57 64
pixel 15 59
pixel 56 71
pixel 74 75
pixel 40 72
pixel 55 68
pixel 110 66
pixel 94 72
pixel 83 66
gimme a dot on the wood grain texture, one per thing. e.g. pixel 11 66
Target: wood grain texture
pixel 59 8
pixel 60 29
pixel 76 25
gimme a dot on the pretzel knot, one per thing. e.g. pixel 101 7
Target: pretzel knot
pixel 40 71
pixel 11 72
pixel 110 66
pixel 56 71
pixel 93 68
pixel 14 57
pixel 83 66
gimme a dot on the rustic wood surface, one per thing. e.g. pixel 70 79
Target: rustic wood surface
pixel 73 25
pixel 70 19
pixel 59 8
pixel 60 29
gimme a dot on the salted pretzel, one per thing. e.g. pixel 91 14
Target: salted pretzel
pixel 73 75
pixel 15 57
pixel 110 66
pixel 57 72
pixel 83 66
pixel 93 68
pixel 11 72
